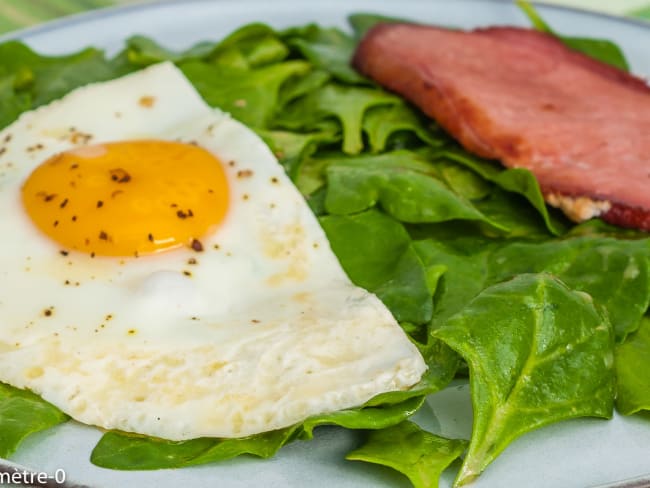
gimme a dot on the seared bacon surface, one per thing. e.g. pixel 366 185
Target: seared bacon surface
pixel 522 97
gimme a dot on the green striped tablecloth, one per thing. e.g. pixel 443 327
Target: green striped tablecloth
pixel 15 14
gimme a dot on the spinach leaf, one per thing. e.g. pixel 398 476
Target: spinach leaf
pixel 54 80
pixel 376 253
pixel 403 183
pixel 251 46
pixel 142 51
pixel 297 87
pixel 327 49
pixel 116 450
pixel 311 177
pixel 538 353
pixel 249 95
pixel 632 366
pixel 11 104
pixel 380 123
pixel 17 57
pixel 614 272
pixel 513 214
pixel 23 413
pixel 316 201
pixel 516 180
pixel 293 148
pixel 600 49
pixel 463 181
pixel 367 417
pixel 416 453
pixel 347 104
pixel 600 228
pixel 28 80
pixel 466 275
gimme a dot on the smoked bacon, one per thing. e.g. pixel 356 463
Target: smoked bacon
pixel 522 97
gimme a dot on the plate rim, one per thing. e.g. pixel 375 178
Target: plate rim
pixel 116 10
pixel 105 13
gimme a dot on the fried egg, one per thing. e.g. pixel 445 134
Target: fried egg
pixel 161 274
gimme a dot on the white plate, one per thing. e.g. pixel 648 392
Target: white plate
pixel 578 453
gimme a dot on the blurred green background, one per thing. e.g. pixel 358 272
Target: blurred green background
pixel 15 14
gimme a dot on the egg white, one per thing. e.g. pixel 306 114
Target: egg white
pixel 261 332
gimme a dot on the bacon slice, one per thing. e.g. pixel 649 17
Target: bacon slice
pixel 522 97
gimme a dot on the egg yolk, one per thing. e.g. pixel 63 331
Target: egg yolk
pixel 128 198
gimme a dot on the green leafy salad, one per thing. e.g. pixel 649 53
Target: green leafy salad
pixel 547 319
